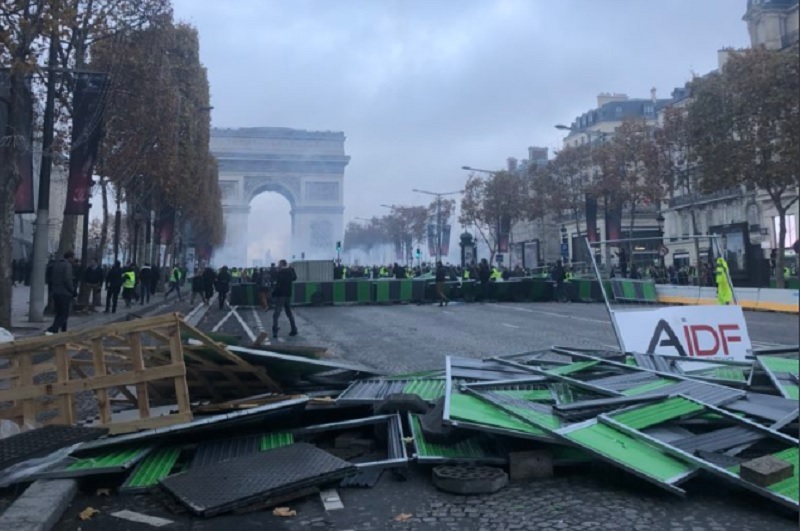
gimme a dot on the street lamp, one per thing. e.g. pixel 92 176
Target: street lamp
pixel 660 221
pixel 564 243
pixel 438 217
pixel 470 168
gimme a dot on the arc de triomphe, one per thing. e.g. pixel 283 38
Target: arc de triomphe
pixel 306 167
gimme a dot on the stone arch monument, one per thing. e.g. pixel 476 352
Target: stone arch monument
pixel 305 167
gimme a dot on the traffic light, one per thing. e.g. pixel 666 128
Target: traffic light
pixel 418 254
pixel 338 246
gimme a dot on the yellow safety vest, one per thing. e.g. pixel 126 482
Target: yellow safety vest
pixel 129 279
pixel 176 274
pixel 466 274
pixel 496 274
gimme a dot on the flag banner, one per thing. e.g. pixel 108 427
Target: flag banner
pixel 591 218
pixel 166 225
pixel 613 216
pixel 445 249
pixel 23 199
pixel 88 99
pixel 431 239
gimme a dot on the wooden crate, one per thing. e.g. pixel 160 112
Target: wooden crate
pixel 40 377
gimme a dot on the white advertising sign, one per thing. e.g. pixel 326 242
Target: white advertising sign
pixel 696 332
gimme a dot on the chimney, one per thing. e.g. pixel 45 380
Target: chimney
pixel 653 94
pixel 607 97
pixel 512 164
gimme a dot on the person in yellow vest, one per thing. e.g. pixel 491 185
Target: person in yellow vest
pixel 128 284
pixel 465 274
pixel 383 272
pixel 175 282
pixel 344 273
pixel 496 275
pixel 724 292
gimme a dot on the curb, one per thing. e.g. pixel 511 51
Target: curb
pixel 41 505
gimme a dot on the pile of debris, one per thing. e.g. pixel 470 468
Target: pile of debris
pixel 219 427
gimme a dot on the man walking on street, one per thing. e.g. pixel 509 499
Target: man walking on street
pixel 174 282
pixel 63 289
pixel 282 296
pixel 128 284
pixel 113 285
pixel 93 277
pixel 441 276
pixel 559 274
pixel 145 282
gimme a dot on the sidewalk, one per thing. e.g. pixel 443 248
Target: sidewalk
pixel 21 327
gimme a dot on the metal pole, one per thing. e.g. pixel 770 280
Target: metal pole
pixel 605 298
pixel 438 228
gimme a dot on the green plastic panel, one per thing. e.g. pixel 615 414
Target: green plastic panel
pixel 649 386
pixel 534 395
pixel 110 459
pixel 572 367
pixel 469 448
pixel 271 441
pixel 425 389
pixel 635 455
pixel 734 374
pixel 652 414
pixel 780 364
pixel 468 408
pixel 789 487
pixel 156 466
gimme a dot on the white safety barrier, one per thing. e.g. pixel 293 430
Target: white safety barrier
pixel 766 299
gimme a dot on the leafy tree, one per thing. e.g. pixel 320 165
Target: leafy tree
pixel 570 180
pixel 490 202
pixel 629 174
pixel 677 161
pixel 745 122
pixel 364 236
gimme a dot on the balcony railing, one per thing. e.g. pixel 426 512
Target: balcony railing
pixel 688 199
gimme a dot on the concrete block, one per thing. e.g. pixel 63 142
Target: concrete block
pixel 40 506
pixel 533 464
pixel 766 471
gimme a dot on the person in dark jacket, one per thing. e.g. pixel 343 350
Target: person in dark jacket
pixel 145 282
pixel 209 278
pixel 223 285
pixel 441 277
pixel 198 288
pixel 93 278
pixel 63 289
pixel 282 295
pixel 484 275
pixel 398 272
pixel 113 286
pixel 623 261
pixel 558 275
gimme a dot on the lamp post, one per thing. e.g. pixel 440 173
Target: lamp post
pixel 662 248
pixel 564 243
pixel 439 196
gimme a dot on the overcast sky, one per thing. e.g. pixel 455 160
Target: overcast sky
pixel 421 88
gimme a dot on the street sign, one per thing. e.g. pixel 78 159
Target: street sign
pixel 564 249
pixel 499 258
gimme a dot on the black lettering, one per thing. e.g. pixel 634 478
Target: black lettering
pixel 670 341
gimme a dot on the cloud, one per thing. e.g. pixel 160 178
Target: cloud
pixel 421 88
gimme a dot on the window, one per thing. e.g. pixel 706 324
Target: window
pixel 648 110
pixel 791 230
pixel 619 111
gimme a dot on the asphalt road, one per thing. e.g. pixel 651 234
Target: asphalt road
pixel 401 338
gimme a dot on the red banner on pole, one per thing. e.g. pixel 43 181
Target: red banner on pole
pixel 88 99
pixel 166 225
pixel 22 130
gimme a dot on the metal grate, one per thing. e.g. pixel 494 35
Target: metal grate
pixel 150 470
pixel 253 478
pixel 43 441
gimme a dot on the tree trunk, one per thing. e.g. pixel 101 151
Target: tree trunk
pixel 780 282
pixel 578 228
pixel 10 151
pixel 104 229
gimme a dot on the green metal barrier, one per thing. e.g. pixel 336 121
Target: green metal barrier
pixel 625 289
pixel 243 295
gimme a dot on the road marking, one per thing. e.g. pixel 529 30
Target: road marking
pixel 140 518
pixel 509 325
pixel 247 330
pixel 222 321
pixel 259 324
pixel 448 312
pixel 554 314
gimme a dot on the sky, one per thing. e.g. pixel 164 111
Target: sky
pixel 422 88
